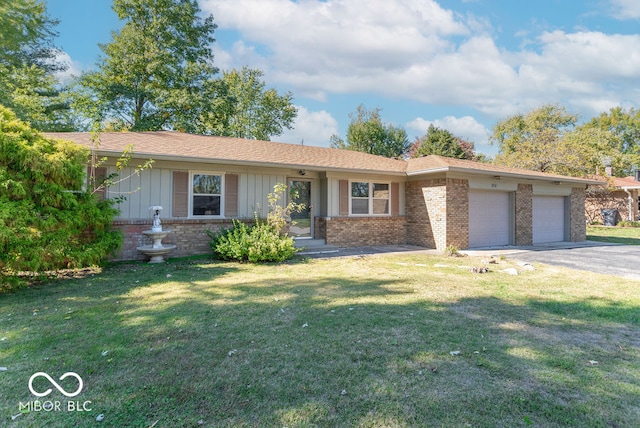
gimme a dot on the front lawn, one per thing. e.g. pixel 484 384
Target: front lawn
pixel 614 234
pixel 393 340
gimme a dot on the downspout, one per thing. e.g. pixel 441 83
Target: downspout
pixel 629 204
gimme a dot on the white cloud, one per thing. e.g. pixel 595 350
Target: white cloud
pixel 417 50
pixel 465 127
pixel 240 55
pixel 339 36
pixel 74 68
pixel 626 9
pixel 312 128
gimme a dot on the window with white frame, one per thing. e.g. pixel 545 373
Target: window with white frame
pixel 206 194
pixel 369 198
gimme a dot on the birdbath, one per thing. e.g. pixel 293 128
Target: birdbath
pixel 157 250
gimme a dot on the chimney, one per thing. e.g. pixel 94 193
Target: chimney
pixel 608 169
pixel 637 171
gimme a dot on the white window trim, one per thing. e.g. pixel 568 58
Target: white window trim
pixel 370 198
pixel 191 195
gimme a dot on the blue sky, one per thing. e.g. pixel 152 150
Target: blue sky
pixel 458 64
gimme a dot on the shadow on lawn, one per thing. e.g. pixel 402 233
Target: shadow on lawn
pixel 334 351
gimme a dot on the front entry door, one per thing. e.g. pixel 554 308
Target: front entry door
pixel 301 222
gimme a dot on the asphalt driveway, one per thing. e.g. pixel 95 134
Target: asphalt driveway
pixel 599 257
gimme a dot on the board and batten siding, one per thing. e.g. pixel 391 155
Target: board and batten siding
pixel 157 186
pixel 151 187
pixel 252 193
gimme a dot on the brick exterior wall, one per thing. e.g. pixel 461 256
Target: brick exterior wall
pixel 619 199
pixel 524 214
pixel 438 213
pixel 319 228
pixel 362 231
pixel 420 224
pixel 189 236
pixel 457 223
pixel 577 219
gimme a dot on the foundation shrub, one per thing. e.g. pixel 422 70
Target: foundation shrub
pixel 255 243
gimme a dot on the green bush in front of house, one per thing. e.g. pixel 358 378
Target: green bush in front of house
pixel 264 241
pixel 628 223
pixel 47 221
pixel 255 243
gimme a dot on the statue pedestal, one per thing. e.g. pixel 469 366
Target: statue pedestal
pixel 157 250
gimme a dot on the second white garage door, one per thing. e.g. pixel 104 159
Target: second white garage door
pixel 548 219
pixel 489 218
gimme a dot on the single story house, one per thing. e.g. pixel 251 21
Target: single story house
pixel 620 194
pixel 353 198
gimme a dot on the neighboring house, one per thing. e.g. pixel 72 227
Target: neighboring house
pixel 354 198
pixel 616 193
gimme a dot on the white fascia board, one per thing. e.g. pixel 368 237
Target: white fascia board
pixel 523 176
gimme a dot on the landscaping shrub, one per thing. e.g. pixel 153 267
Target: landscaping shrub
pixel 47 221
pixel 256 243
pixel 264 241
pixel 628 223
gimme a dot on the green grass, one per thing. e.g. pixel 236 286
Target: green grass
pixel 362 341
pixel 618 235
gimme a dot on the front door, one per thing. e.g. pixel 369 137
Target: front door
pixel 301 222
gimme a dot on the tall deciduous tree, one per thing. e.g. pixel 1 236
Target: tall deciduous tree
pixel 367 133
pixel 442 142
pixel 256 112
pixel 157 72
pixel 27 65
pixel 622 147
pixel 544 140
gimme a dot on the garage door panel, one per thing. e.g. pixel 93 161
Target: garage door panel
pixel 489 218
pixel 548 219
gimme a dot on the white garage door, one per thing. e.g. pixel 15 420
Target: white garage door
pixel 548 219
pixel 489 219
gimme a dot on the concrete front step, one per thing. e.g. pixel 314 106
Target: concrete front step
pixel 309 243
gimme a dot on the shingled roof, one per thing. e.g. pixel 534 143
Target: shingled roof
pixel 626 183
pixel 179 146
pixel 169 145
pixel 433 163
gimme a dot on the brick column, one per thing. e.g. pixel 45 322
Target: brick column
pixel 577 218
pixel 457 222
pixel 524 214
pixel 418 197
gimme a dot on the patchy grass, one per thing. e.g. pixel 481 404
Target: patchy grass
pixel 395 340
pixel 614 234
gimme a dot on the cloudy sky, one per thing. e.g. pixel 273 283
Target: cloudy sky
pixel 458 64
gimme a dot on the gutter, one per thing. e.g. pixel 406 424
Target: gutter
pixel 308 167
pixel 629 203
pixel 500 174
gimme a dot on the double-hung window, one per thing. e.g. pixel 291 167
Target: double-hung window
pixel 206 194
pixel 369 198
